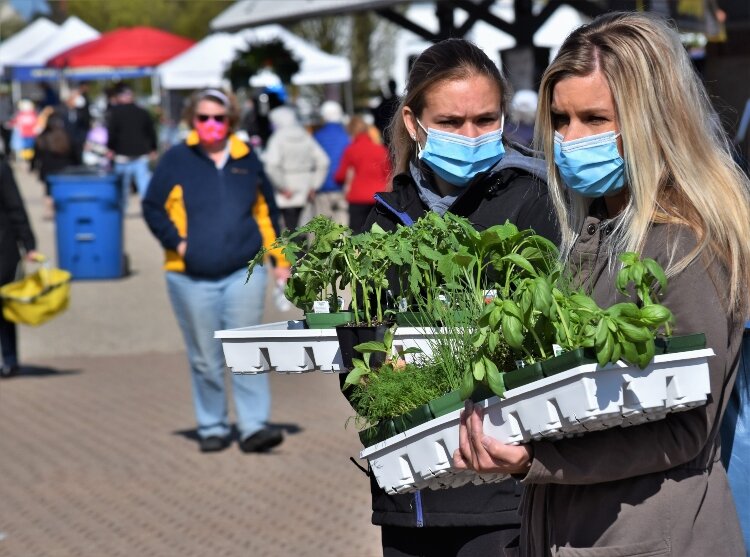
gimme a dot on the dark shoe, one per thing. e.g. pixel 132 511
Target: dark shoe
pixel 262 441
pixel 213 443
pixel 8 371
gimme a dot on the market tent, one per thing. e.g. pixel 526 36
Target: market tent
pixel 204 64
pixel 126 47
pixel 26 40
pixel 71 33
pixel 558 26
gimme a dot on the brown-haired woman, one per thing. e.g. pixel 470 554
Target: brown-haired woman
pixel 448 156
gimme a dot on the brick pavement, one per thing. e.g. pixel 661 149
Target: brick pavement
pixel 98 456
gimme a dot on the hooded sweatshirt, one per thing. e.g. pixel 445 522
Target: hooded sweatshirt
pixel 293 160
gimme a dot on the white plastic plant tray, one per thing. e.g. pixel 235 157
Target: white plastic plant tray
pixel 286 348
pixel 585 398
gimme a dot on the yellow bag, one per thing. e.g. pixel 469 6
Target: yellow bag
pixel 36 298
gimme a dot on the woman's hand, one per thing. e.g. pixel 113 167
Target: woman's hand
pixel 282 274
pixel 182 248
pixel 484 454
pixel 34 256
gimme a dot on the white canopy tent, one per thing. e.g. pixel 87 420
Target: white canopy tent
pixel 558 26
pixel 71 33
pixel 204 64
pixel 26 41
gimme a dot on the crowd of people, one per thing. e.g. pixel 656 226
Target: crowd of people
pixel 631 157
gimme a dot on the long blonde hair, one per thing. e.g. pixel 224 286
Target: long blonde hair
pixel 678 161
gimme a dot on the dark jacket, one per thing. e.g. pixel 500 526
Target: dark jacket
pixel 130 130
pixel 516 191
pixel 225 214
pixel 15 229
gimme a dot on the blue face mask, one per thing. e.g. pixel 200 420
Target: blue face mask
pixel 457 158
pixel 590 166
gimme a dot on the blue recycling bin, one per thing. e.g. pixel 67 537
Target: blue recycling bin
pixel 88 218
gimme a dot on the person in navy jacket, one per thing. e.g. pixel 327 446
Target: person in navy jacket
pixel 212 208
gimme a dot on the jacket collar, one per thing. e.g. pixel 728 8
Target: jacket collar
pixel 237 147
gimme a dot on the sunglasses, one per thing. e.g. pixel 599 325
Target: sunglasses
pixel 215 117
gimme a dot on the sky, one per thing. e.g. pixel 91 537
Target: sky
pixel 27 8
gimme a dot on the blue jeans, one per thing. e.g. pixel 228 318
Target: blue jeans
pixel 136 170
pixel 201 307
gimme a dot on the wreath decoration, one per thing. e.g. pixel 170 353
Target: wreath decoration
pixel 272 55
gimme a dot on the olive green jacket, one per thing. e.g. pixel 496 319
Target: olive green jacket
pixel 656 489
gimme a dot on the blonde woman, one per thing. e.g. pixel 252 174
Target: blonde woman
pixel 637 161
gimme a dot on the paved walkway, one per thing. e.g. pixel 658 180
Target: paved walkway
pixel 98 456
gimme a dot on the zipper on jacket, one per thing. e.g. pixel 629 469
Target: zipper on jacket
pixel 402 216
pixel 418 509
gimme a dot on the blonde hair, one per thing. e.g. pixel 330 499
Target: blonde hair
pixel 678 162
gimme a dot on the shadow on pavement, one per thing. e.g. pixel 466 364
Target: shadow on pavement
pixel 43 371
pixel 287 428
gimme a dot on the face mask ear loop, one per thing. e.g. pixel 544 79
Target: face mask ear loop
pixel 416 138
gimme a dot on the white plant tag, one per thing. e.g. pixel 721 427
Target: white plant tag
pixel 557 349
pixel 403 305
pixel 443 298
pixel 489 295
pixel 321 306
pixel 520 364
pixel 341 303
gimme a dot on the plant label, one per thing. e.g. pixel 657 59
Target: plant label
pixel 489 295
pixel 557 349
pixel 403 305
pixel 321 306
pixel 520 364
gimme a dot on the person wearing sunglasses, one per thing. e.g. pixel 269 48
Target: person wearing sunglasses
pixel 212 208
pixel 637 162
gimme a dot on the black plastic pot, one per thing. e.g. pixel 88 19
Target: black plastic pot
pixel 351 335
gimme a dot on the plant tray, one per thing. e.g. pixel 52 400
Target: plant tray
pixel 585 398
pixel 286 347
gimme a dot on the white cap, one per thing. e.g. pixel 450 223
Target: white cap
pixel 331 111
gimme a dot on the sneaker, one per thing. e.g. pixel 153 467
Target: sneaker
pixel 213 443
pixel 8 371
pixel 261 441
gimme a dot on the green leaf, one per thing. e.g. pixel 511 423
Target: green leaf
pixel 412 350
pixel 493 339
pixel 479 337
pixel 584 301
pixel 495 381
pixel 632 332
pixel 370 346
pixel 656 271
pixel 388 338
pixel 655 314
pixel 467 385
pixel 512 331
pixel 522 262
pixel 478 370
pixel 354 376
pixel 604 354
